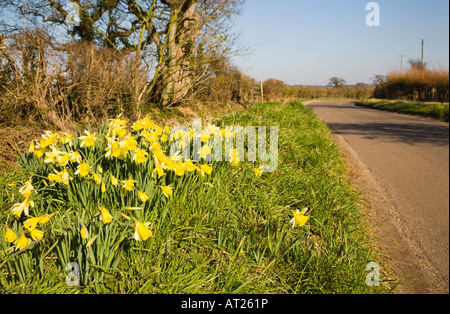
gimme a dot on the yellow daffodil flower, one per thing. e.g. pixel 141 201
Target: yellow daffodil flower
pixel 142 196
pixel 111 148
pixel 227 133
pixel 123 154
pixel 22 242
pixel 46 218
pixel 189 165
pixel 114 181
pixel 205 151
pixel 106 216
pixel 10 236
pixel 24 207
pixel 233 155
pixel 156 146
pixel 201 173
pixel 258 172
pixel 84 232
pixel 151 125
pixel 299 218
pixel 138 125
pixel 83 169
pixel 66 139
pixel 31 149
pixel 128 185
pixel 180 169
pixel 63 159
pixel 206 169
pixel 205 136
pixel 141 231
pixel 52 157
pixel 160 157
pixel 159 170
pixel 65 176
pixel 31 223
pixel 170 164
pixel 140 156
pixel 36 234
pixel 54 177
pixel 58 177
pixel 159 131
pixel 97 178
pixel 88 140
pixel 27 189
pixel 129 143
pixel 38 153
pixel 167 190
pixel 117 150
pixel 150 136
pixel 75 157
pixel 117 128
pixel 46 142
pixel 119 132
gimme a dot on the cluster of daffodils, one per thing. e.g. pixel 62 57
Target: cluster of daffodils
pixel 118 161
pixel 30 225
pixel 94 172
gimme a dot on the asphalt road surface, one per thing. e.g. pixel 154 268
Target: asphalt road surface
pixel 401 164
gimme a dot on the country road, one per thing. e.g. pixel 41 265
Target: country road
pixel 400 164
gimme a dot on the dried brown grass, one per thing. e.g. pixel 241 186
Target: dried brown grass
pixel 415 76
pixel 417 85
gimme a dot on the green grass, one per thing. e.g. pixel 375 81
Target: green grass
pixel 232 234
pixel 433 110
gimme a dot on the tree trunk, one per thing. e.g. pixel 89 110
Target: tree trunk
pixel 176 73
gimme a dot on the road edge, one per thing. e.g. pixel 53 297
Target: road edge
pixel 400 256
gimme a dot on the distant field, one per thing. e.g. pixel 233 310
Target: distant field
pixel 435 110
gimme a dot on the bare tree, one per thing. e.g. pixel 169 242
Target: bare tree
pixel 379 79
pixel 337 82
pixel 183 34
pixel 99 21
pixel 417 65
pixel 175 39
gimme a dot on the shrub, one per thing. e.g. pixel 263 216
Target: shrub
pixel 416 84
pixel 273 89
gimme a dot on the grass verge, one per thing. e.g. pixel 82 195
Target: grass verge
pixel 433 110
pixel 232 234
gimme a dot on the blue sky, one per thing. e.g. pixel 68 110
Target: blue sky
pixel 309 41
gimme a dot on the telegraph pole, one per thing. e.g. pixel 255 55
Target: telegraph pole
pixel 401 66
pixel 262 92
pixel 423 45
